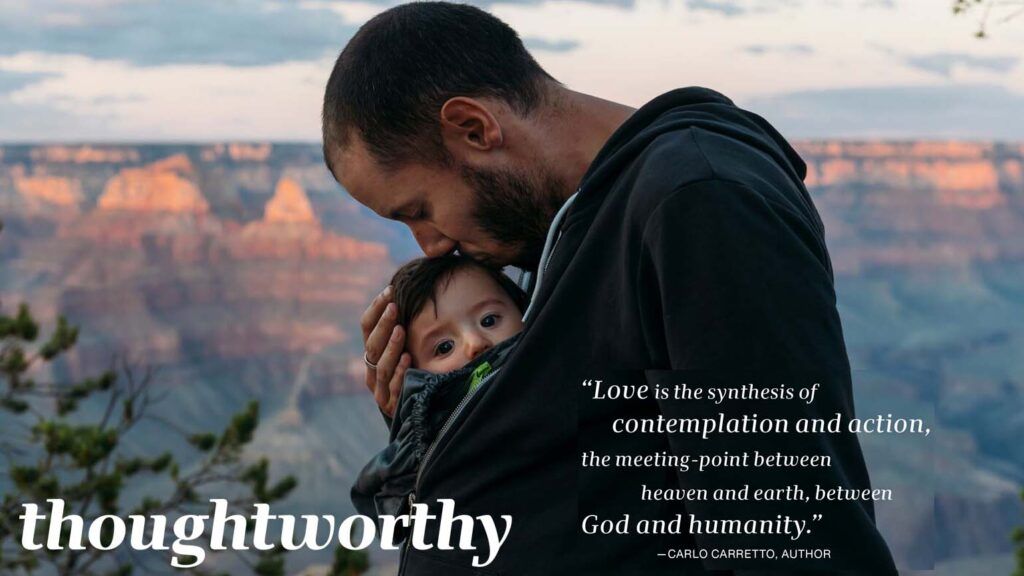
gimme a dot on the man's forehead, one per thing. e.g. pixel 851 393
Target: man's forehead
pixel 353 166
pixel 356 170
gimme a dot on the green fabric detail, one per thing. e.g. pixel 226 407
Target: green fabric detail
pixel 479 374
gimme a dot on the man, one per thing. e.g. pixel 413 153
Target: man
pixel 676 237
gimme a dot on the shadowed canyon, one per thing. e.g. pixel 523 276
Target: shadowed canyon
pixel 240 270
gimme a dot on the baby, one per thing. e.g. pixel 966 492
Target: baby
pixel 461 319
pixel 453 309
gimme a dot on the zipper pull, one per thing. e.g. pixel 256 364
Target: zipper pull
pixel 412 500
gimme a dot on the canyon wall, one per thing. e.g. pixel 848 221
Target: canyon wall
pixel 240 270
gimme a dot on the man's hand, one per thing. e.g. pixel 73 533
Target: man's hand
pixel 384 342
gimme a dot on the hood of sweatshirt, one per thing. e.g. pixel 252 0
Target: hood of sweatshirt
pixel 679 109
pixel 683 108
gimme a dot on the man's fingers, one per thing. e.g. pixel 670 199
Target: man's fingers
pixel 387 364
pixel 378 338
pixel 383 341
pixel 389 358
pixel 374 311
pixel 380 393
pixel 395 388
pixel 371 380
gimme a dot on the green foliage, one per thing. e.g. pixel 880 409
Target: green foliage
pixel 349 562
pixel 204 441
pixel 242 427
pixel 52 450
pixel 257 477
pixel 961 6
pixel 21 326
pixel 63 338
pixel 997 11
pixel 271 563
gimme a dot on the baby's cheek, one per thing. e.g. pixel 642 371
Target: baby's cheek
pixel 446 364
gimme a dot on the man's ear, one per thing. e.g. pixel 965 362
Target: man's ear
pixel 468 124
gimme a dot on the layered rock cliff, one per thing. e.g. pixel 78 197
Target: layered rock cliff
pixel 916 205
pixel 241 270
pixel 149 266
pixel 43 193
pixel 164 186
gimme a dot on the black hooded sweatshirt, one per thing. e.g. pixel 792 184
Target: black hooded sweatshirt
pixel 691 254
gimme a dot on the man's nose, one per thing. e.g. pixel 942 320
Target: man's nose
pixel 432 242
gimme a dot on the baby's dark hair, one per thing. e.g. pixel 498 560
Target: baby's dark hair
pixel 417 282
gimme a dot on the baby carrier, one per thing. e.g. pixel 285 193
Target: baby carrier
pixel 428 407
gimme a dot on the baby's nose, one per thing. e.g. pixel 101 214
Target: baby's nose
pixel 476 345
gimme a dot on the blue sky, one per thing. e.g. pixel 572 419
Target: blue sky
pixel 193 70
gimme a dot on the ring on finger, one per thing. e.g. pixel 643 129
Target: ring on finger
pixel 369 364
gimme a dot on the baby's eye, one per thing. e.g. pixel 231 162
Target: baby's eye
pixel 489 320
pixel 443 348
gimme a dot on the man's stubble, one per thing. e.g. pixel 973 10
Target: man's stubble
pixel 515 208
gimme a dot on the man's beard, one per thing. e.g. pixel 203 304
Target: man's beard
pixel 515 209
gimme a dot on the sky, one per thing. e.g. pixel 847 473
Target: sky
pixel 214 70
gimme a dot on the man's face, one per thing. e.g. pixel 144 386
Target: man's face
pixel 497 215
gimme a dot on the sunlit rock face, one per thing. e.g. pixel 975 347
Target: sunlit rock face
pixel 138 253
pixel 917 204
pixel 44 193
pixel 959 174
pixel 238 152
pixel 290 205
pixel 85 154
pixel 235 222
pixel 164 186
pixel 290 229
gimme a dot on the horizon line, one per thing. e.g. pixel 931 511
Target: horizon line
pixel 112 143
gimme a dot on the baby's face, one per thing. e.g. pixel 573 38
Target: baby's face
pixel 473 313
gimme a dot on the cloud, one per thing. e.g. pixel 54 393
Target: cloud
pixel 788 49
pixel 13 81
pixel 723 7
pixel 33 122
pixel 155 32
pixel 112 100
pixel 352 12
pixel 732 8
pixel 943 63
pixel 563 45
pixel 961 111
pixel 237 33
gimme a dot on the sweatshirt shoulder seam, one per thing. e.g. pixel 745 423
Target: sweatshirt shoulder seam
pixel 693 136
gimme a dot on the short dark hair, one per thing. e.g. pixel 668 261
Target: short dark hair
pixel 393 76
pixel 417 282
